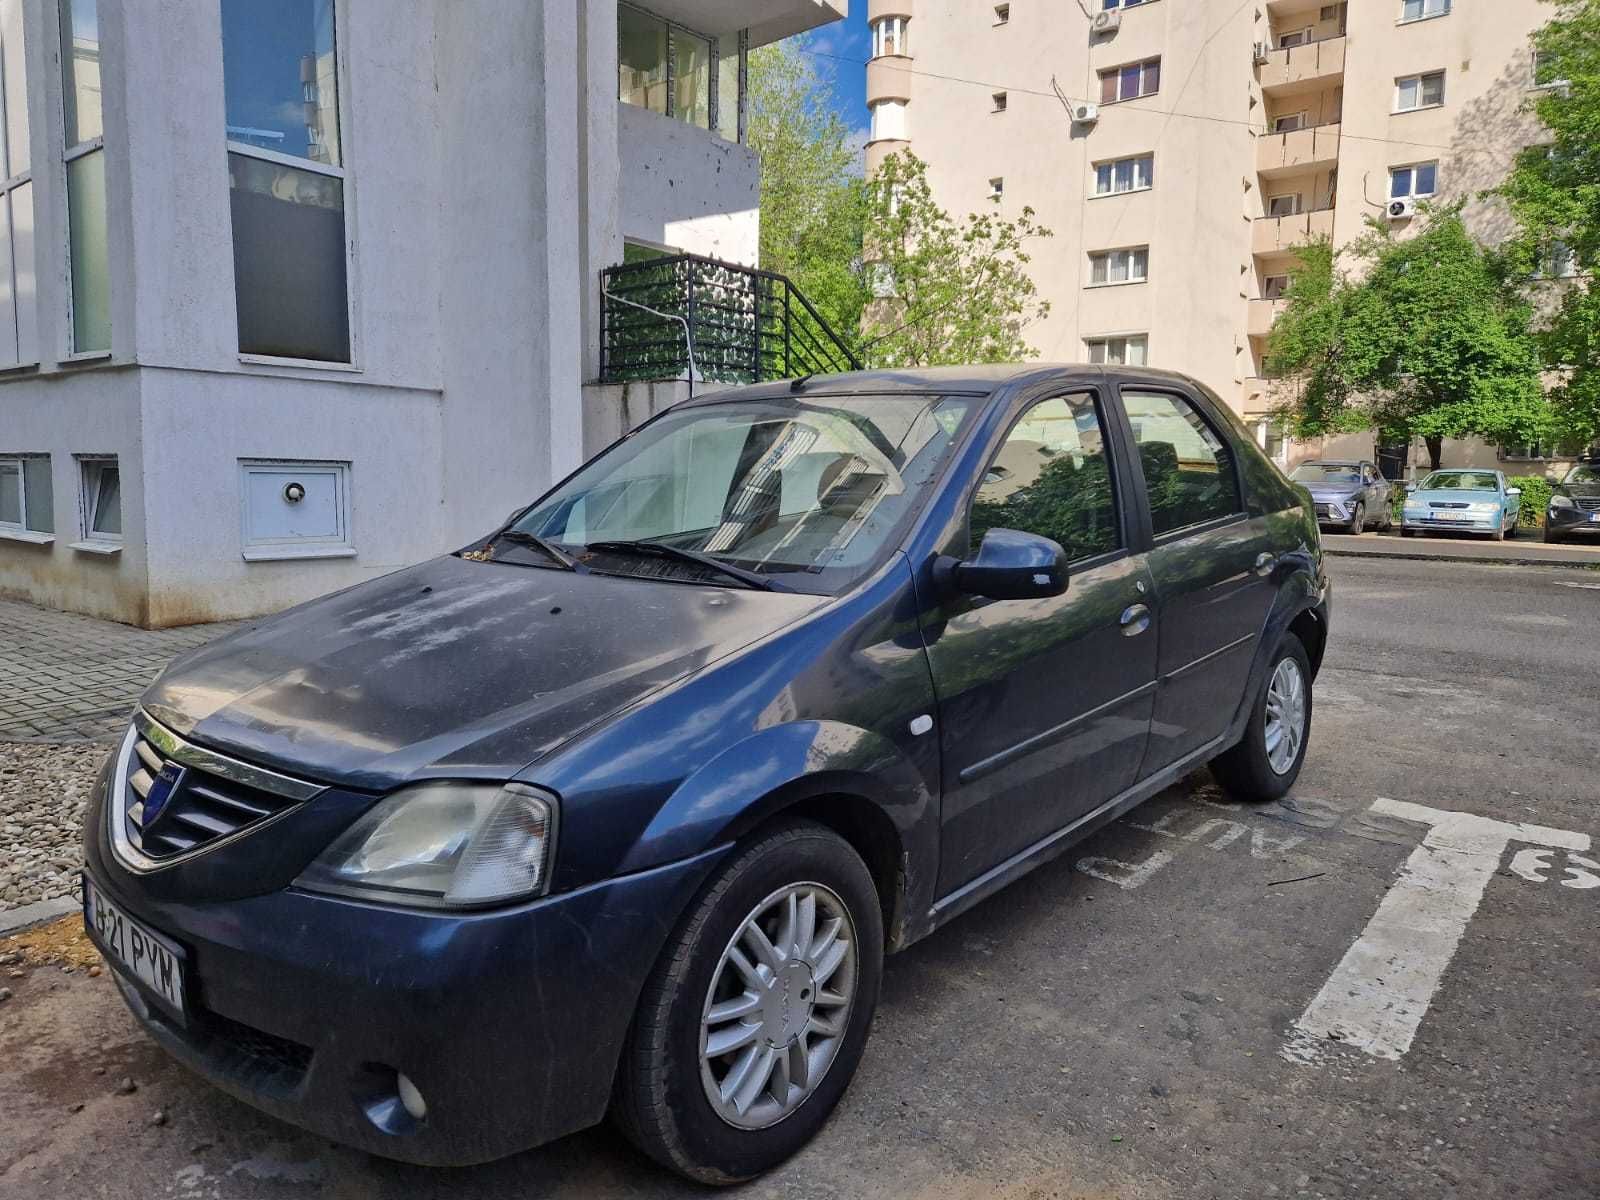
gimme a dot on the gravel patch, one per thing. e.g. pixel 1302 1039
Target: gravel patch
pixel 43 791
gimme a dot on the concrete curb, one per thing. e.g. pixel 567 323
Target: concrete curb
pixel 17 919
pixel 1458 556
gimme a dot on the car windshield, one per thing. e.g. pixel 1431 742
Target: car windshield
pixel 1461 481
pixel 806 494
pixel 1316 472
pixel 1583 473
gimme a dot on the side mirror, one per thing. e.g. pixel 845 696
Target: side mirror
pixel 1410 487
pixel 1513 491
pixel 1009 565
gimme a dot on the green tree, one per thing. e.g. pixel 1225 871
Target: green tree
pixel 950 290
pixel 1554 193
pixel 1424 340
pixel 812 193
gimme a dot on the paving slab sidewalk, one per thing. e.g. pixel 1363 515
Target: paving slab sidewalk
pixel 1522 551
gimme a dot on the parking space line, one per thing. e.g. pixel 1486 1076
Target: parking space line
pixel 1377 995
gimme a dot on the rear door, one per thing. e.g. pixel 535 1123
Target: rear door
pixel 1211 561
pixel 1044 704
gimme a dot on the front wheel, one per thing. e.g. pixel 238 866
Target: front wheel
pixel 754 1019
pixel 1358 520
pixel 1267 760
pixel 1551 536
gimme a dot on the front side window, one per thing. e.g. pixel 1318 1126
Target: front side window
pixel 1119 266
pixel 1124 175
pixel 1416 10
pixel 287 178
pixel 19 314
pixel 1583 473
pixel 1130 82
pixel 88 253
pixel 811 493
pixel 1319 472
pixel 1189 471
pixel 26 497
pixel 1129 351
pixel 1419 91
pixel 1419 180
pixel 1051 477
pixel 102 499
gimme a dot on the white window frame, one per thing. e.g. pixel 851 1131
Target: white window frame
pixel 997 188
pixel 999 99
pixel 1266 285
pixel 19 531
pixel 1418 79
pixel 1303 37
pixel 340 545
pixel 1148 159
pixel 1303 119
pixel 89 467
pixel 1411 193
pixel 882 28
pixel 901 122
pixel 1104 341
pixel 1107 255
pixel 1441 9
pixel 1557 261
pixel 69 155
pixel 1534 77
pixel 1108 5
pixel 344 173
pixel 1297 198
pixel 1115 73
pixel 1002 15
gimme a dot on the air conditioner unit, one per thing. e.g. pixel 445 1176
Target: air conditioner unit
pixel 1403 210
pixel 1107 21
pixel 1262 50
pixel 1085 113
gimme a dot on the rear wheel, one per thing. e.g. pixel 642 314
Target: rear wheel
pixel 753 1022
pixel 1267 760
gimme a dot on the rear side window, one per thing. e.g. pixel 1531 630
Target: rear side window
pixel 1050 477
pixel 1189 469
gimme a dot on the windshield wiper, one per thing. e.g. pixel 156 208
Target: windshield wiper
pixel 663 550
pixel 522 537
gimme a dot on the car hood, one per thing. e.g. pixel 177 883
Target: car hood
pixel 1332 491
pixel 452 668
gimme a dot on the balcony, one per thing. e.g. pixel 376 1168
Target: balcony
pixel 1277 235
pixel 1262 314
pixel 1298 151
pixel 889 78
pixel 767 20
pixel 1302 68
pixel 687 317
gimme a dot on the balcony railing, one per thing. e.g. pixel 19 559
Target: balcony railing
pixel 687 317
pixel 1297 150
pixel 1269 235
pixel 1303 65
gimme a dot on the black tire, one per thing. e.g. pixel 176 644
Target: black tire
pixel 1405 533
pixel 1388 521
pixel 1511 533
pixel 658 1101
pixel 1244 771
pixel 1551 536
pixel 1358 521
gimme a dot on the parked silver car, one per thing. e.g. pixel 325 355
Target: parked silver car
pixel 1351 495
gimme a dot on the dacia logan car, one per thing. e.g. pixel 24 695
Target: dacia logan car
pixel 619 809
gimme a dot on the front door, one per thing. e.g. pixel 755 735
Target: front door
pixel 1044 705
pixel 1212 564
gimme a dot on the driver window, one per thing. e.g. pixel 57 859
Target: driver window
pixel 1050 477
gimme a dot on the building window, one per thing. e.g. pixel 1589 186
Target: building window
pixel 102 500
pixel 997 189
pixel 1110 4
pixel 1286 205
pixel 1131 350
pixel 1556 261
pixel 1002 14
pixel 84 141
pixel 1124 175
pixel 889 121
pixel 1119 266
pixel 1552 448
pixel 641 59
pixel 287 178
pixel 1296 37
pixel 1417 181
pixel 663 67
pixel 1273 287
pixel 1289 122
pixel 19 313
pixel 999 99
pixel 1130 82
pixel 1546 74
pixel 1412 92
pixel 1417 10
pixel 889 37
pixel 27 500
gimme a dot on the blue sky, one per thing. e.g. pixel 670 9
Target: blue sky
pixel 847 39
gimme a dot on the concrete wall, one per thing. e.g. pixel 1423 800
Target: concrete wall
pixel 688 189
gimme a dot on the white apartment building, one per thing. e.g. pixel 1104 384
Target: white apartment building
pixel 297 292
pixel 1180 149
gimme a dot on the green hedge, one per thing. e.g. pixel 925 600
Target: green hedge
pixel 1535 498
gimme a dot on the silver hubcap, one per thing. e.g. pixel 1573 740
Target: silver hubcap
pixel 778 1006
pixel 1286 716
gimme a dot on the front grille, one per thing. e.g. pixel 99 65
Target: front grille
pixel 179 798
pixel 1587 503
pixel 1447 504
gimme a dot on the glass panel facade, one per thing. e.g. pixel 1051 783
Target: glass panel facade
pixel 280 78
pixel 91 265
pixel 289 261
pixel 40 493
pixel 691 79
pixel 14 60
pixel 80 70
pixel 641 59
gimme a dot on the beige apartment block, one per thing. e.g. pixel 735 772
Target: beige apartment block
pixel 1180 150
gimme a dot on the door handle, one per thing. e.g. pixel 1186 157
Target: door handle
pixel 1135 620
pixel 1264 563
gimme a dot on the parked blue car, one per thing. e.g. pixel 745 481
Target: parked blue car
pixel 1462 501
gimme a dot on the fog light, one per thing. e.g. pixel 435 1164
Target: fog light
pixel 410 1099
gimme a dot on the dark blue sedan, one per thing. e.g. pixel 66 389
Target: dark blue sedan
pixel 619 809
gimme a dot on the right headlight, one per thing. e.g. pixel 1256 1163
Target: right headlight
pixel 1561 502
pixel 444 845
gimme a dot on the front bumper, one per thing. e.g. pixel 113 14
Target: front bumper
pixel 1573 520
pixel 509 1022
pixel 1486 523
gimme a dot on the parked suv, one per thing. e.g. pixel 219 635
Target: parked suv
pixel 621 807
pixel 1575 503
pixel 1350 495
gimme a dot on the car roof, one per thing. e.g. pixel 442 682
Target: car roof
pixel 973 381
pixel 1336 462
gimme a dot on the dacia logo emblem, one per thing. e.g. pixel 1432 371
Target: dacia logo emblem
pixel 161 790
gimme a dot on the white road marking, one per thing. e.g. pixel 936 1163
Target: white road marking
pixel 1588 587
pixel 1377 995
pixel 1125 875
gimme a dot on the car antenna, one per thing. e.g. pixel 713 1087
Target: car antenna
pixel 798 384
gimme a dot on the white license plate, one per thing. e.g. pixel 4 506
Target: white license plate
pixel 134 949
pixel 1451 516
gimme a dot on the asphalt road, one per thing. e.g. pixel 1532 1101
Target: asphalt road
pixel 1201 1001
